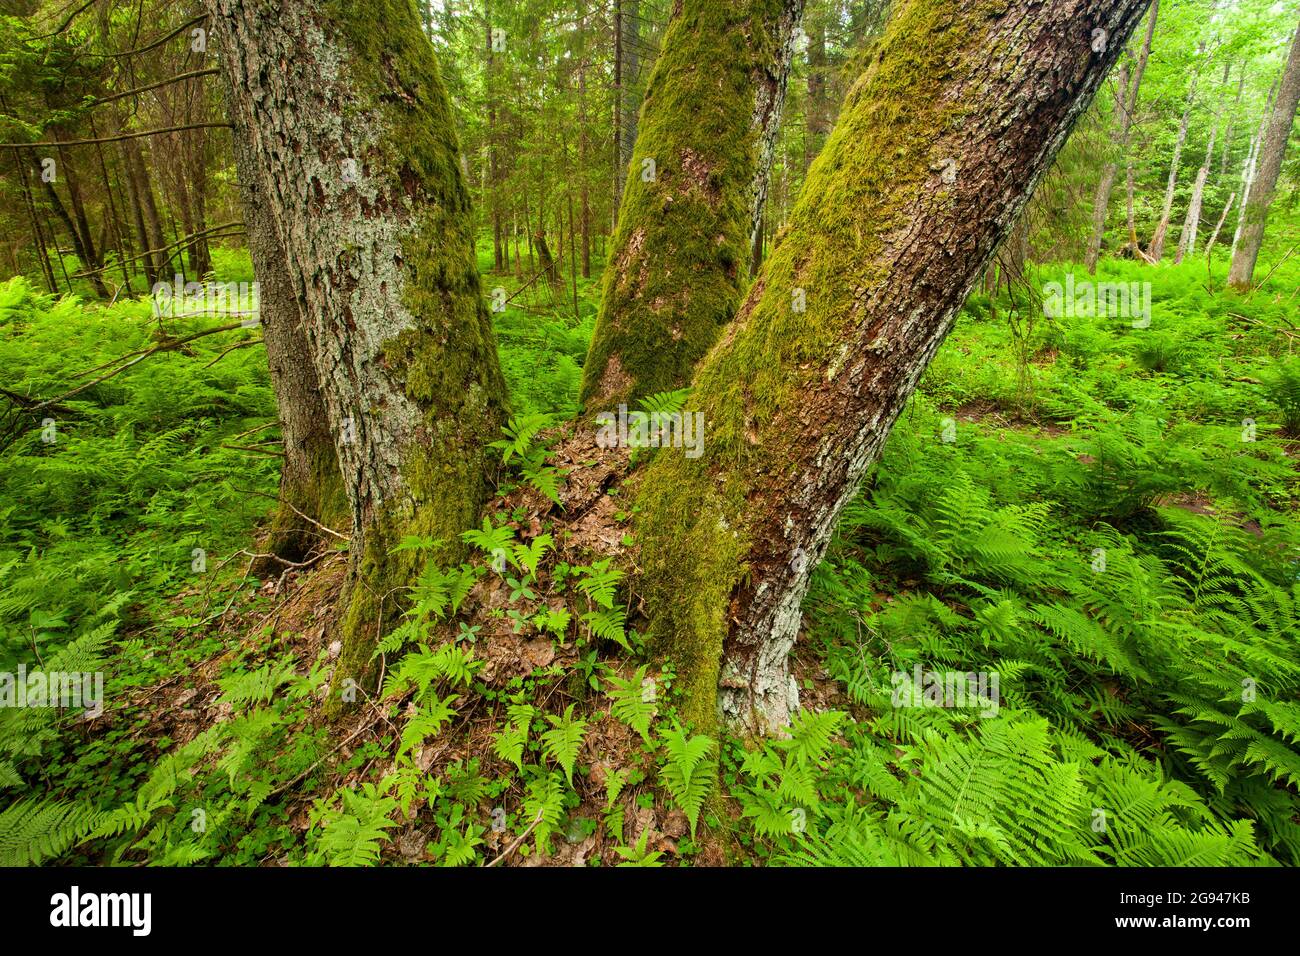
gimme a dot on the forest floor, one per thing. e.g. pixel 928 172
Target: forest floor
pixel 1092 519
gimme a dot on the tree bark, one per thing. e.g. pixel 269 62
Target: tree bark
pixel 144 191
pixel 620 172
pixel 83 256
pixel 1250 167
pixel 151 274
pixel 1270 164
pixel 694 196
pixel 376 225
pixel 817 111
pixel 311 486
pixel 1126 97
pixel 91 258
pixel 1232 117
pixel 941 142
pixel 37 232
pixel 629 48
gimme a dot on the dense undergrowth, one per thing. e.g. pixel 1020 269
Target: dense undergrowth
pixel 1096 522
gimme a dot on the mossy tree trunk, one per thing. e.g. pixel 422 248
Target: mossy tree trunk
pixel 694 197
pixel 1271 150
pixel 350 125
pixel 961 109
pixel 311 487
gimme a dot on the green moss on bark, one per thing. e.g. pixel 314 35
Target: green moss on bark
pixel 447 363
pixel 680 258
pixel 695 524
pixel 319 494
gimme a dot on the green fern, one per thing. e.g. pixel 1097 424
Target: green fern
pixel 563 741
pixel 689 772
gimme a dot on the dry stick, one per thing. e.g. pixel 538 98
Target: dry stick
pixel 238 345
pixel 168 346
pixel 525 286
pixel 236 226
pixel 263 494
pixel 1264 281
pixel 255 428
pixel 523 836
pixel 119 137
pixel 152 44
pixel 153 86
pixel 1214 237
pixel 1291 333
pixel 233 594
pixel 293 564
pixel 67 22
pixel 255 449
pixel 303 776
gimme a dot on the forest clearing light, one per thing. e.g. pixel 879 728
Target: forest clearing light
pixel 1088 300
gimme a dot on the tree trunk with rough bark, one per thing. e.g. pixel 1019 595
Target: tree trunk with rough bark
pixel 351 128
pixel 694 196
pixel 1232 117
pixel 961 110
pixel 1250 167
pixel 311 487
pixel 144 191
pixel 1271 151
pixel 817 111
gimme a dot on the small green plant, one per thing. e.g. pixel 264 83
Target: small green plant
pixel 689 772
pixel 563 741
pixel 1282 387
pixel 634 701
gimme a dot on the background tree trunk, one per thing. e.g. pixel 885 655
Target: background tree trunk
pixel 936 151
pixel 1249 169
pixel 694 196
pixel 1191 225
pixel 1126 97
pixel 1156 249
pixel 376 226
pixel 627 65
pixel 1270 164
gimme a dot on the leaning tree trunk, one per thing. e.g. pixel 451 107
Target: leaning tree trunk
pixel 694 196
pixel 1264 186
pixel 1126 97
pixel 1250 167
pixel 311 487
pixel 351 127
pixel 940 144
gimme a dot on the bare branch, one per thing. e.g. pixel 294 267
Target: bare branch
pixel 115 139
pixel 152 86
